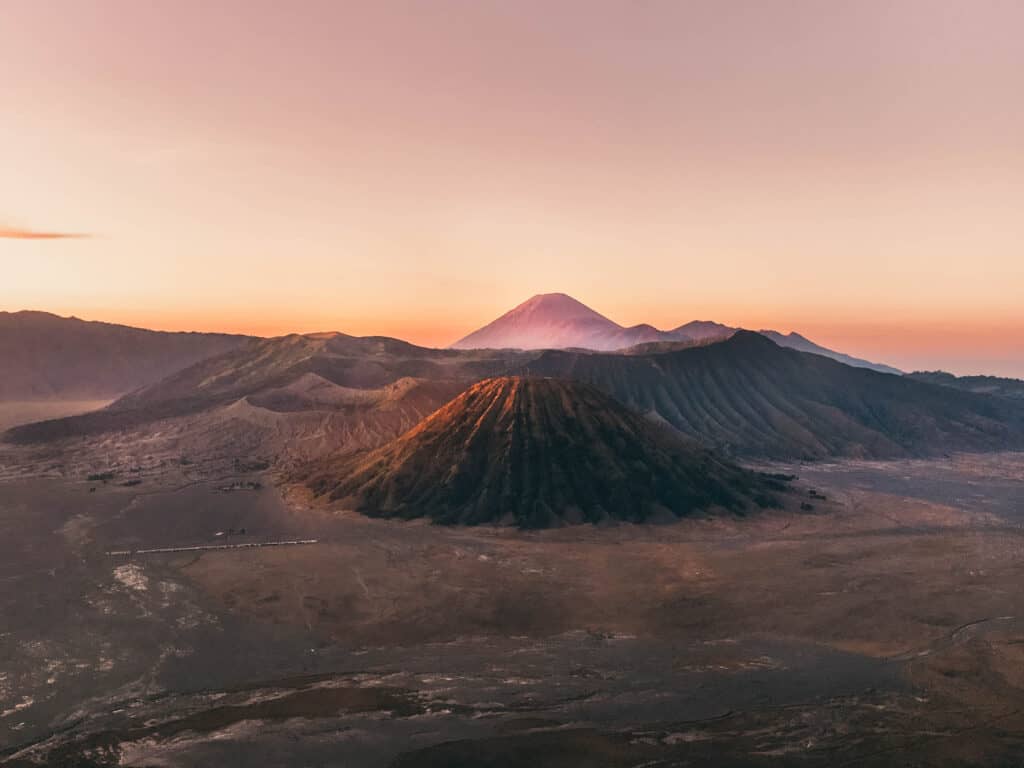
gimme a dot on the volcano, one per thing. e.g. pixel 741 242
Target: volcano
pixel 558 321
pixel 536 453
pixel 555 321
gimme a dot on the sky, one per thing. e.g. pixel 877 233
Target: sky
pixel 853 171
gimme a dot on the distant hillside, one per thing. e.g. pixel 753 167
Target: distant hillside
pixel 315 372
pixel 751 397
pixel 795 341
pixel 746 396
pixel 536 453
pixel 661 347
pixel 558 321
pixel 352 362
pixel 988 385
pixel 46 357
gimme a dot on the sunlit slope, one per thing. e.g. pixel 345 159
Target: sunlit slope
pixel 539 452
pixel 315 372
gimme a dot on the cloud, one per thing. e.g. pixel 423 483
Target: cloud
pixel 19 233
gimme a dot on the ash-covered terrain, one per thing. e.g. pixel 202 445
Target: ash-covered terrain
pixel 869 629
pixel 724 552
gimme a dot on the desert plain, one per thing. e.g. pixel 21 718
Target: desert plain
pixel 876 619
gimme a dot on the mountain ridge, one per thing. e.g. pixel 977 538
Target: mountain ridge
pixel 999 386
pixel 745 396
pixel 268 370
pixel 559 321
pixel 749 396
pixel 49 357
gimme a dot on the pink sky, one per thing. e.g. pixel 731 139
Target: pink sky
pixel 854 171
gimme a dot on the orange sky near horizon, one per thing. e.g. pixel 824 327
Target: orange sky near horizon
pixel 854 172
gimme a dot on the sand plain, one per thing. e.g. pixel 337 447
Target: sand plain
pixel 885 625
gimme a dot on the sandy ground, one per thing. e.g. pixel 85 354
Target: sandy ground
pixel 885 626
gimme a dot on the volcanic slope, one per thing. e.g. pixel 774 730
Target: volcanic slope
pixel 535 453
pixel 46 357
pixel 749 396
pixel 556 321
pixel 329 372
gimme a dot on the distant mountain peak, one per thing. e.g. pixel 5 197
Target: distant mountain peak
pixel 547 320
pixel 559 321
pixel 553 297
pixel 792 335
pixel 561 304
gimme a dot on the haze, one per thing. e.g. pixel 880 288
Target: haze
pixel 854 172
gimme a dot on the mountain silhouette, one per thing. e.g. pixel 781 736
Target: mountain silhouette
pixel 558 321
